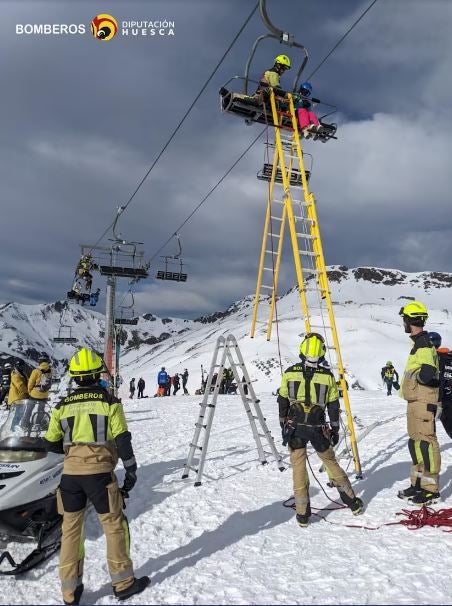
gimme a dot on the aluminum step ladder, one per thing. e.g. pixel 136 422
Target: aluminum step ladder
pixel 227 353
pixel 293 204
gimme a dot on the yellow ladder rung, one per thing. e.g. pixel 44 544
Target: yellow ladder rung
pixel 306 236
pixel 271 252
pixel 275 218
pixel 306 253
pixel 265 286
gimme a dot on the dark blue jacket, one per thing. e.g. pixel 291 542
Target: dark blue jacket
pixel 162 377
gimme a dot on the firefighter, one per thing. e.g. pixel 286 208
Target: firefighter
pixel 307 388
pixel 389 376
pixel 90 427
pixel 419 388
pixel 271 78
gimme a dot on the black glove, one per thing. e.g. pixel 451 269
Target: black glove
pixel 130 480
pixel 334 436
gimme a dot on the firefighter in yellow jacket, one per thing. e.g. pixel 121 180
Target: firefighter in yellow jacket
pixel 420 388
pixel 90 426
pixel 307 388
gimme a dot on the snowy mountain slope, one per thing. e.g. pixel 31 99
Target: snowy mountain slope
pixel 231 541
pixel 367 304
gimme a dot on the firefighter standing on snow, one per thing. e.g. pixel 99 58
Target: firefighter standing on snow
pixel 420 385
pixel 90 426
pixel 307 388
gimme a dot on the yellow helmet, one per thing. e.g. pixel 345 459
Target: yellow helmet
pixel 313 347
pixel 85 362
pixel 283 60
pixel 415 312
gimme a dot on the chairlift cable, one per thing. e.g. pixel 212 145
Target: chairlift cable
pixel 182 120
pixel 210 192
pixel 342 39
pixel 262 132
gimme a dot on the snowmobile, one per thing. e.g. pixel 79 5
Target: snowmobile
pixel 27 471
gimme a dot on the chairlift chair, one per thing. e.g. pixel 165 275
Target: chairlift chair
pixel 167 273
pixel 255 107
pixel 64 335
pixel 127 316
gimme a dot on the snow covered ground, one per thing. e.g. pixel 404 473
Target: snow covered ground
pixel 231 541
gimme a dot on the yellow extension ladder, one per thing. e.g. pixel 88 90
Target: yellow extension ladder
pixel 290 201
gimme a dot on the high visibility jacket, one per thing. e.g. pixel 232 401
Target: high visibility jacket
pixel 90 427
pixel 306 392
pixel 18 388
pixel 420 381
pixel 270 78
pixel 40 381
pixel 388 372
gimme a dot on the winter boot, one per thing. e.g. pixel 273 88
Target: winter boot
pixel 77 595
pixel 425 497
pixel 357 506
pixel 137 586
pixel 410 492
pixel 303 518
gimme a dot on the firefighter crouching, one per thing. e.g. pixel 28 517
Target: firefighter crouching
pixel 307 388
pixel 90 427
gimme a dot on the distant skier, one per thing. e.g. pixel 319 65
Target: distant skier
pixel 132 388
pixel 445 381
pixel 306 390
pixel 141 386
pixel 162 378
pixel 184 382
pixel 176 384
pixel 390 376
pixel 420 390
pixel 168 386
pixel 245 385
pixel 89 426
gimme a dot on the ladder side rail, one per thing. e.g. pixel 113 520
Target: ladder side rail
pixel 203 410
pixel 267 225
pixel 290 214
pixel 210 414
pixel 325 291
pixel 275 276
pixel 246 401
pixel 231 343
pixel 323 284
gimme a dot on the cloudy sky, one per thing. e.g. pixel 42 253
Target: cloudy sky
pixel 82 120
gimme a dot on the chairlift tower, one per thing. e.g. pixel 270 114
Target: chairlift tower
pixel 123 259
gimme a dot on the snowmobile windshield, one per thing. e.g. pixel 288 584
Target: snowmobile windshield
pixel 24 428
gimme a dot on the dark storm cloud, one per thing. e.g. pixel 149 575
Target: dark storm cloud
pixel 82 120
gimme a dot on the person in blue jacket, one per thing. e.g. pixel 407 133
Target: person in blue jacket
pixel 162 378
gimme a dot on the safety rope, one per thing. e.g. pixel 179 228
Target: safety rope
pixel 413 519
